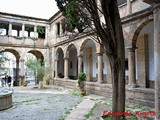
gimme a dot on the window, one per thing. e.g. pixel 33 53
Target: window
pixel 58 28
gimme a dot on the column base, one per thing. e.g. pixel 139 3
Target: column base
pixel 56 77
pixel 99 82
pixel 132 85
pixel 66 77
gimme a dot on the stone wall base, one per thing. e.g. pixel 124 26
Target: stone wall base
pixel 144 96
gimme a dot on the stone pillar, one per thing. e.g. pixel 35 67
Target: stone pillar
pixel 46 34
pixel 157 57
pixel 61 30
pixel 23 30
pixel 100 67
pixel 10 29
pixel 132 67
pixel 129 7
pixel 89 64
pixel 22 71
pixel 10 32
pixel 80 61
pixel 143 61
pixel 109 75
pixel 17 74
pixel 56 68
pixel 35 32
pixel 66 59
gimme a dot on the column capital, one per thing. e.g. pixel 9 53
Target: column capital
pixel 56 59
pixel 21 60
pixel 66 57
pixel 99 53
pixel 131 49
pixel 79 55
pixel 156 6
pixel 99 49
pixel 17 60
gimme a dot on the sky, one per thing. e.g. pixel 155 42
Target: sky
pixel 34 8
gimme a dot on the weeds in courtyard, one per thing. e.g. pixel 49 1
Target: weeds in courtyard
pixel 106 104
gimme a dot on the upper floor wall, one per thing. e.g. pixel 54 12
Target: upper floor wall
pixel 59 34
pixel 23 30
pixel 128 7
pixel 17 30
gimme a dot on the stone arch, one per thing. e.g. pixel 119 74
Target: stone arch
pixel 58 49
pixel 87 50
pixel 14 52
pixel 69 47
pixel 15 70
pixel 60 62
pixel 84 43
pixel 142 54
pixel 71 55
pixel 138 30
pixel 38 54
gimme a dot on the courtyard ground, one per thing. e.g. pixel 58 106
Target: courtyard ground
pixel 29 103
pixel 58 103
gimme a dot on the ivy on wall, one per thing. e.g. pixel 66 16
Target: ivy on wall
pixel 20 38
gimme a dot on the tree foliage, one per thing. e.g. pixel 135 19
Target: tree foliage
pixel 3 59
pixel 36 66
pixel 84 14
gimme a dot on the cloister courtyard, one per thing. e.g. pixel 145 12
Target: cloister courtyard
pixel 59 103
pixel 67 54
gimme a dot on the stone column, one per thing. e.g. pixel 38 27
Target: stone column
pixel 80 61
pixel 143 61
pixel 109 74
pixel 66 59
pixel 56 68
pixel 10 29
pixel 100 67
pixel 157 57
pixel 23 30
pixel 129 7
pixel 89 64
pixel 61 30
pixel 22 71
pixel 131 66
pixel 35 32
pixel 46 34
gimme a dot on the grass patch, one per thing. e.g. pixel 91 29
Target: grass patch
pixel 46 109
pixel 32 103
pixel 76 93
pixel 32 100
pixel 88 115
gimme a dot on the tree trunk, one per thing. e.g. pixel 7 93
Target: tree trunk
pixel 114 71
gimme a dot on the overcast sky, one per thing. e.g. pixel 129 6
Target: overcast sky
pixel 35 8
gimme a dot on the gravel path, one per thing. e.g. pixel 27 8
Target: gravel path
pixel 39 106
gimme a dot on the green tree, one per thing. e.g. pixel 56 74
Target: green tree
pixel 83 14
pixel 38 69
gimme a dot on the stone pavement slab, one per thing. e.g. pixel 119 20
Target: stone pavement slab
pixel 83 108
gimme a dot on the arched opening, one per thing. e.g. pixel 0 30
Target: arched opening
pixel 73 62
pixel 60 63
pixel 90 64
pixel 11 66
pixel 143 40
pixel 37 54
pixel 29 74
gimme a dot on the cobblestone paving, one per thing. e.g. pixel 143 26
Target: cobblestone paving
pixel 34 105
